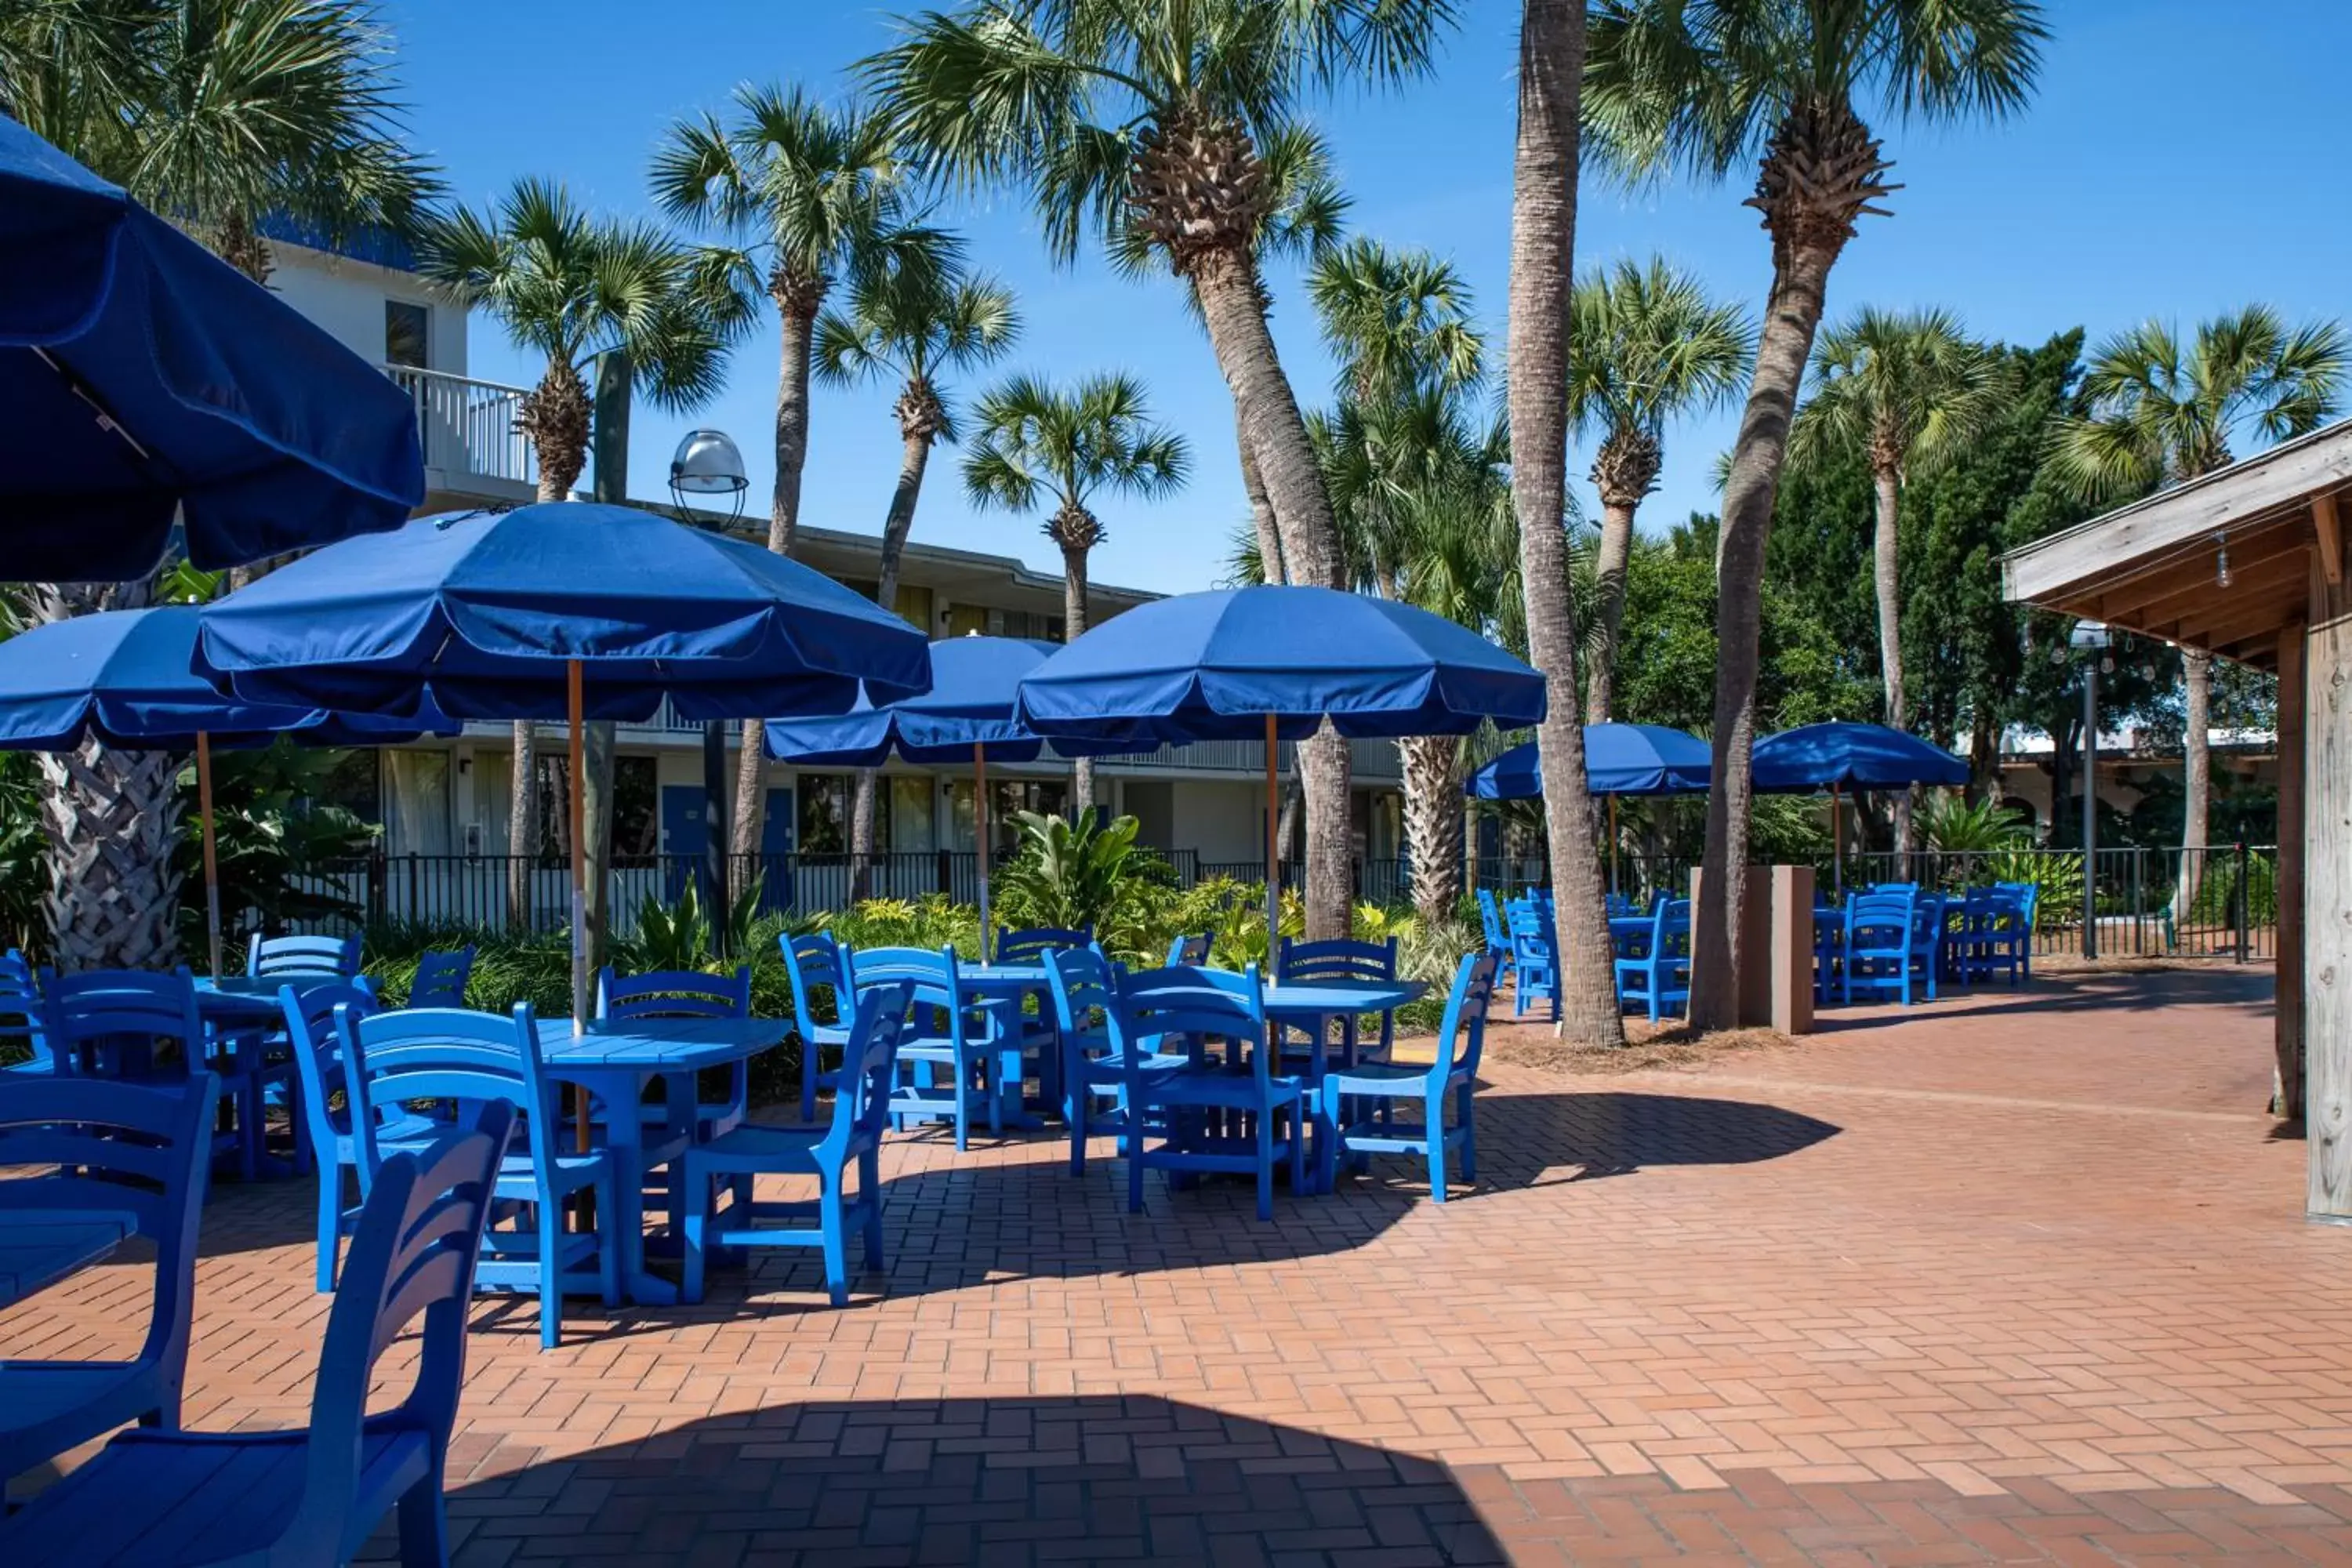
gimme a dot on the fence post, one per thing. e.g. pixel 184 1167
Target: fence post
pixel 375 885
pixel 2139 910
pixel 2241 901
pixel 2090 903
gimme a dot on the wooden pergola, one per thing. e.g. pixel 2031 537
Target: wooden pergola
pixel 2155 568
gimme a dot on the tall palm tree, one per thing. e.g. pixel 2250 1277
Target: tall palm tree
pixel 1038 443
pixel 1646 346
pixel 911 317
pixel 1909 389
pixel 219 114
pixel 1153 116
pixel 1711 85
pixel 569 288
pixel 2162 411
pixel 1396 321
pixel 223 112
pixel 805 190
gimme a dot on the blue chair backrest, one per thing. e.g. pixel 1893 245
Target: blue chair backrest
pixel 120 1149
pixel 1080 979
pixel 1191 948
pixel 861 1102
pixel 931 978
pixel 1491 918
pixel 2028 895
pixel 1879 921
pixel 441 979
pixel 272 955
pixel 1030 946
pixel 20 1008
pixel 674 993
pixel 1531 931
pixel 1308 962
pixel 1463 1029
pixel 135 1008
pixel 1155 1005
pixel 413 1252
pixel 319 1057
pixel 816 962
pixel 448 1054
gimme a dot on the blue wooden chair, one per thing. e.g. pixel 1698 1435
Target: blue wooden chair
pixel 1191 948
pixel 1453 1073
pixel 449 1053
pixel 320 1067
pixel 861 1110
pixel 818 967
pixel 313 1495
pixel 1655 974
pixel 127 1024
pixel 1094 1073
pixel 1883 939
pixel 972 1041
pixel 1498 932
pixel 441 979
pixel 20 1018
pixel 2010 941
pixel 1247 1121
pixel 1534 959
pixel 1031 945
pixel 113 1148
pixel 268 957
pixel 1312 962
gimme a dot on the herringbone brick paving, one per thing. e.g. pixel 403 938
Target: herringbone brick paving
pixel 2012 1279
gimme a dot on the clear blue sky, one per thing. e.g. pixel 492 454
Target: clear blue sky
pixel 2176 161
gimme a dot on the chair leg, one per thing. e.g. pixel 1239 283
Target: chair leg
pixel 1469 1133
pixel 551 1272
pixel 609 1242
pixel 1134 1159
pixel 810 1055
pixel 1078 1100
pixel 424 1524
pixel 1265 1163
pixel 869 1178
pixel 330 1224
pixel 836 1244
pixel 700 1200
pixel 963 1105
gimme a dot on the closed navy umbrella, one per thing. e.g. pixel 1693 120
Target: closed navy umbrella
pixel 143 378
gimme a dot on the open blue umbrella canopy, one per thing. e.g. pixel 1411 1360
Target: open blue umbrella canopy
pixel 1618 759
pixel 124 678
pixel 973 702
pixel 1215 666
pixel 1850 757
pixel 140 373
pixel 481 614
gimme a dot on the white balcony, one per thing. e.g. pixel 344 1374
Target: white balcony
pixel 467 430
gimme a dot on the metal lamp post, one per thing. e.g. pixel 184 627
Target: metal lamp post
pixel 707 463
pixel 2089 640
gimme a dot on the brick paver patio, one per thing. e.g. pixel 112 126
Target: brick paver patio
pixel 2013 1277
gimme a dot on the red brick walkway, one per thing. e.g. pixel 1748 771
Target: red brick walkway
pixel 2013 1278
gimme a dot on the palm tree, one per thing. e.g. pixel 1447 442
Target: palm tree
pixel 1646 345
pixel 805 192
pixel 220 114
pixel 1396 321
pixel 1909 389
pixel 910 317
pixel 571 288
pixel 1710 85
pixel 2162 411
pixel 1039 444
pixel 223 112
pixel 1151 116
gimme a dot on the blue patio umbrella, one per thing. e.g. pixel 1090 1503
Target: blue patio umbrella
pixel 566 608
pixel 123 677
pixel 971 709
pixel 143 376
pixel 1275 663
pixel 1618 759
pixel 1840 756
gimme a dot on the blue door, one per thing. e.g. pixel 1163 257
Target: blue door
pixel 684 835
pixel 776 852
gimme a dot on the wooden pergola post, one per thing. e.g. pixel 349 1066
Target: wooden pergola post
pixel 2326 935
pixel 2287 1098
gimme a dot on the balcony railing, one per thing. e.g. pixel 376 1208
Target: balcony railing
pixel 467 427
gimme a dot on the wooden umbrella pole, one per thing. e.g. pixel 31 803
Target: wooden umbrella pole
pixel 212 859
pixel 1837 847
pixel 575 702
pixel 979 837
pixel 1612 845
pixel 1272 848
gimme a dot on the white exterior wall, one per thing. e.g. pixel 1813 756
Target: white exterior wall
pixel 347 297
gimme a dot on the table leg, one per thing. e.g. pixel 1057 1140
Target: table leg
pixel 625 1138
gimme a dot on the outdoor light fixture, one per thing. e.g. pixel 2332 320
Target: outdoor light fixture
pixel 2221 561
pixel 708 464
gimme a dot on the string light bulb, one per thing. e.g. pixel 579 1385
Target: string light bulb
pixel 2221 561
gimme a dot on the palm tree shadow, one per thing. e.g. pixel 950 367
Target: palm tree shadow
pixel 1619 1134
pixel 964 1480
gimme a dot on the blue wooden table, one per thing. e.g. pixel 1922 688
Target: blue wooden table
pixel 39 1246
pixel 615 1061
pixel 1308 1008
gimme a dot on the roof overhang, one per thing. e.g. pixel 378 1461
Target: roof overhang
pixel 2153 567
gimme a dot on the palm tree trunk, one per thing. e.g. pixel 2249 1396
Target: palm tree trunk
pixel 1074 626
pixel 1543 237
pixel 797 319
pixel 1609 609
pixel 522 787
pixel 1792 315
pixel 914 457
pixel 1888 487
pixel 1269 532
pixel 1433 822
pixel 1232 304
pixel 2195 777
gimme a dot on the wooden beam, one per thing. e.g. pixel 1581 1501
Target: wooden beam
pixel 2287 1089
pixel 2254 622
pixel 2327 919
pixel 2108 549
pixel 2331 541
pixel 2170 596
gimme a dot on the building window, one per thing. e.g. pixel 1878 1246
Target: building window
pixel 406 326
